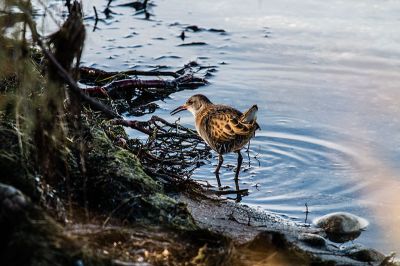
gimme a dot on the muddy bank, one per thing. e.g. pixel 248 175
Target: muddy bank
pixel 288 242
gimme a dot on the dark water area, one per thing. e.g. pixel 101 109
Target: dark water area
pixel 325 77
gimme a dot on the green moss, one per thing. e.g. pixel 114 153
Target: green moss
pixel 168 211
pixel 116 183
pixel 117 167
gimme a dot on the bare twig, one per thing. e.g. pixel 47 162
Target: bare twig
pixel 144 128
pixel 171 150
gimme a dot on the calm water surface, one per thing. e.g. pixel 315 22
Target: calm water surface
pixel 325 77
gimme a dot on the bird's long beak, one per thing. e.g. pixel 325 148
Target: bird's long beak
pixel 179 109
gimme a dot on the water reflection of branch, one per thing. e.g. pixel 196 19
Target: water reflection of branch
pixel 248 153
pixel 96 18
pixel 47 11
pixel 256 156
pixel 107 11
pixel 306 212
pixel 137 5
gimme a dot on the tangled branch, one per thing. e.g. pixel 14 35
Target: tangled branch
pixel 171 150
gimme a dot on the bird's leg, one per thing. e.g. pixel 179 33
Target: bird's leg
pixel 220 161
pixel 239 164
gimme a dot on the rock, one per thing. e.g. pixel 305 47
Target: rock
pixel 12 206
pixel 342 238
pixel 312 240
pixel 365 254
pixel 30 237
pixel 267 240
pixel 11 199
pixel 126 263
pixel 341 226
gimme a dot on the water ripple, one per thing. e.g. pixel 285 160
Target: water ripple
pixel 287 168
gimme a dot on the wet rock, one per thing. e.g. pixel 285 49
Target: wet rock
pixel 365 254
pixel 341 226
pixel 312 240
pixel 341 223
pixel 342 238
pixel 126 263
pixel 272 248
pixel 12 206
pixel 11 199
pixel 266 240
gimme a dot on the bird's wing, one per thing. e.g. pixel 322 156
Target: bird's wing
pixel 224 125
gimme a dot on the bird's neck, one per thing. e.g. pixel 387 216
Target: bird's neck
pixel 198 112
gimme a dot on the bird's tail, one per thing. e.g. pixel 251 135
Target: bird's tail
pixel 250 115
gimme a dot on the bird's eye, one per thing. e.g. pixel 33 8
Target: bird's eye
pixel 190 102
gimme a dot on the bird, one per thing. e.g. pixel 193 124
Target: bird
pixel 222 127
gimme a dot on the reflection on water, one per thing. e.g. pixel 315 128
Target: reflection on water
pixel 325 78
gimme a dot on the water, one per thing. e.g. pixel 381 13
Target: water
pixel 325 76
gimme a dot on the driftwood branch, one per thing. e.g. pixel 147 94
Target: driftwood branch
pixel 154 86
pixel 98 74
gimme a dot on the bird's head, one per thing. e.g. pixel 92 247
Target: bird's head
pixel 194 104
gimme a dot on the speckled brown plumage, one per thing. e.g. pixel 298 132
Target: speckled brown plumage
pixel 222 127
